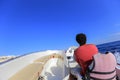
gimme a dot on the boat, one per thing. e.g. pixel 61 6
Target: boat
pixel 43 65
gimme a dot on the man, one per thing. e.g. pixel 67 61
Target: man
pixel 83 54
pixel 104 67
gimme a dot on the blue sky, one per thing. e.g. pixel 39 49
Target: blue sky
pixel 35 25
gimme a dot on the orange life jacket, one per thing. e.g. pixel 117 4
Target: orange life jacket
pixel 103 67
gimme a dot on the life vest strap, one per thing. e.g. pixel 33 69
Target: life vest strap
pixel 102 72
pixel 118 64
pixel 102 79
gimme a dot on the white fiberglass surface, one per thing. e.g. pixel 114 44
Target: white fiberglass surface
pixel 54 70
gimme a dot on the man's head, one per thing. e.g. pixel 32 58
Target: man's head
pixel 81 39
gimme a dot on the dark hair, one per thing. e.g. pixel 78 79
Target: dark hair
pixel 81 38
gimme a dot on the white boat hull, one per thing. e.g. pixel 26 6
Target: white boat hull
pixel 50 65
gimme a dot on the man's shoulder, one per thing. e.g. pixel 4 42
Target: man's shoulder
pixel 86 46
pixel 89 47
pixel 90 44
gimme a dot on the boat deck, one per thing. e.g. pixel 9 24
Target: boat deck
pixel 33 70
pixel 50 67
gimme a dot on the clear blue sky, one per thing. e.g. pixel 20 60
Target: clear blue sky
pixel 35 25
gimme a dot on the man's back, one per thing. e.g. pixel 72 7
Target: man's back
pixel 84 55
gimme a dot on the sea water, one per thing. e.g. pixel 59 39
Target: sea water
pixel 111 46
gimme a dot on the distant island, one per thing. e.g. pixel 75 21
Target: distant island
pixel 5 58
